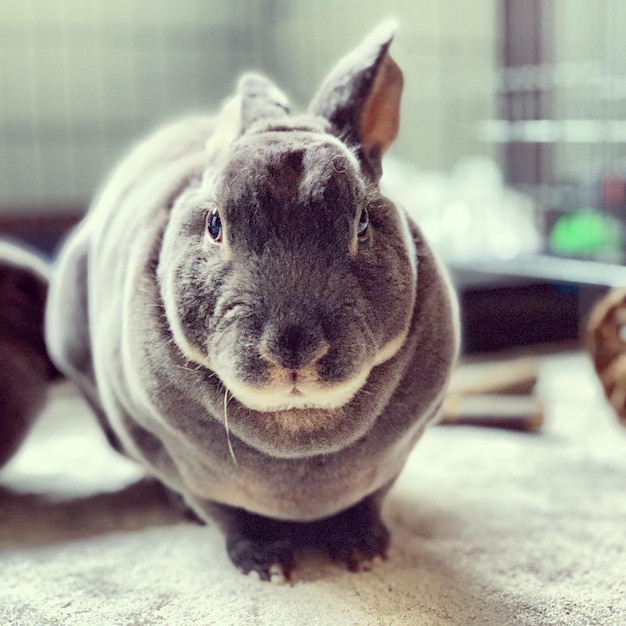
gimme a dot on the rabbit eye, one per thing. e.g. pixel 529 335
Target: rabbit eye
pixel 214 226
pixel 364 222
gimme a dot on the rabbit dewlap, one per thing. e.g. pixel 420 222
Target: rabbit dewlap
pixel 256 323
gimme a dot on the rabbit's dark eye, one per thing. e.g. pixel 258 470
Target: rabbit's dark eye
pixel 364 222
pixel 214 226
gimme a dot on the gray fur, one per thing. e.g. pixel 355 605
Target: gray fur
pixel 153 320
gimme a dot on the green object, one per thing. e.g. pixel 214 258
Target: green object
pixel 585 232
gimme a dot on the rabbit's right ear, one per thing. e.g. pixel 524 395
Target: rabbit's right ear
pixel 361 99
pixel 256 99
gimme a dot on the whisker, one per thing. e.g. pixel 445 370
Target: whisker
pixel 187 368
pixel 230 445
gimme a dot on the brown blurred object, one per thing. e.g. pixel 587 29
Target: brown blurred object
pixel 25 368
pixel 498 394
pixel 503 376
pixel 606 343
pixel 511 412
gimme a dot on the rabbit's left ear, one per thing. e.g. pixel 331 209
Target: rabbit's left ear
pixel 257 98
pixel 361 99
pixel 260 100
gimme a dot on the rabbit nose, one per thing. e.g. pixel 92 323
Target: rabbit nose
pixel 293 347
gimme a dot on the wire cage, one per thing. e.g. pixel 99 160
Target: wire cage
pixel 513 138
pixel 561 127
pixel 82 80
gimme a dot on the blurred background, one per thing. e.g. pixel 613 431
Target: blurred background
pixel 512 150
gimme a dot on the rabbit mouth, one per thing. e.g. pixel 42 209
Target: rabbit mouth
pixel 303 389
pixel 303 393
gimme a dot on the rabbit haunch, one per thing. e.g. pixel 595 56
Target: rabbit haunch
pixel 289 204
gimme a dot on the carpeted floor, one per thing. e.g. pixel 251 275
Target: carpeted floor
pixel 488 527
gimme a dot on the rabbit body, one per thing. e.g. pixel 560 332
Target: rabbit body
pixel 251 318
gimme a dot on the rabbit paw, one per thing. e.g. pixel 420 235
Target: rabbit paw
pixel 271 561
pixel 355 536
pixel 358 546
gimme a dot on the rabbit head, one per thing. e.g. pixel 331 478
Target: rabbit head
pixel 287 272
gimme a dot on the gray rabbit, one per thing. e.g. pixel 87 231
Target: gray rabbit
pixel 255 323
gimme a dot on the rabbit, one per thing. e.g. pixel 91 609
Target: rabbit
pixel 25 369
pixel 256 323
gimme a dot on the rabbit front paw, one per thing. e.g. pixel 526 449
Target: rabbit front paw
pixel 357 542
pixel 269 560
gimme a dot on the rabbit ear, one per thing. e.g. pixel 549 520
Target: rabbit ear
pixel 260 100
pixel 227 129
pixel 361 98
pixel 257 98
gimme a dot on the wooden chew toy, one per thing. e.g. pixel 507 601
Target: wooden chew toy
pixel 606 344
pixel 497 394
pixel 497 411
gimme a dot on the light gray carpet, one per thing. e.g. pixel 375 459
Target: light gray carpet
pixel 488 527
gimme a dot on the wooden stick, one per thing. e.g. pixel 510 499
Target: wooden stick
pixel 513 376
pixel 497 411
